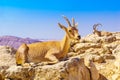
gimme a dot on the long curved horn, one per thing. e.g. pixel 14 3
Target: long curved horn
pixel 96 25
pixel 67 20
pixel 73 22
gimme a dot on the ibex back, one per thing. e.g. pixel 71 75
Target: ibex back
pixel 100 33
pixel 50 51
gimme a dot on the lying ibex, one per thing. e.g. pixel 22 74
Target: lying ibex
pixel 50 51
pixel 100 33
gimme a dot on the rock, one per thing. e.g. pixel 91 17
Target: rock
pixel 90 39
pixel 93 58
pixel 1 77
pixel 117 34
pixel 102 77
pixel 18 72
pixel 116 51
pixel 73 69
pixel 109 56
pixel 104 51
pixel 7 57
pixel 71 54
pixel 98 59
pixel 98 39
pixel 93 69
pixel 116 77
pixel 85 46
pixel 108 39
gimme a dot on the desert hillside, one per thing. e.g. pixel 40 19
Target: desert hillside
pixel 93 58
pixel 15 42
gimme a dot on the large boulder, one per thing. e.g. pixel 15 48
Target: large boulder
pixel 94 58
pixel 73 68
pixel 104 51
pixel 7 57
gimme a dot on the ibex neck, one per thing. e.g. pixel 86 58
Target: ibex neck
pixel 65 46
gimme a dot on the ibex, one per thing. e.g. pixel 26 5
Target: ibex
pixel 100 33
pixel 50 51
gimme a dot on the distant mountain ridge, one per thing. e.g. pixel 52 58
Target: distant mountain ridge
pixel 14 41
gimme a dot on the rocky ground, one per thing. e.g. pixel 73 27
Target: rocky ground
pixel 104 51
pixel 93 58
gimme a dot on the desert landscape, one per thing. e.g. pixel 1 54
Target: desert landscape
pixel 59 40
pixel 93 58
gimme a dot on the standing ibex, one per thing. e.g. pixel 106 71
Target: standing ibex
pixel 100 33
pixel 50 51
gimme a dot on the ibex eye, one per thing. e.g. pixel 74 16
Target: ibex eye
pixel 70 31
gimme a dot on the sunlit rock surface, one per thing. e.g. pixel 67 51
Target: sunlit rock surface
pixel 94 58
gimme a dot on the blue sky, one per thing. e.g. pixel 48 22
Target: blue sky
pixel 38 18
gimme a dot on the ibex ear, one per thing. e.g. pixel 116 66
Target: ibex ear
pixel 76 25
pixel 62 26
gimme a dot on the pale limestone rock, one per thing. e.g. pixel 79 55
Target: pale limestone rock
pixel 112 45
pixel 99 48
pixel 98 51
pixel 117 65
pixel 93 70
pixel 85 46
pixel 116 76
pixel 101 77
pixel 108 39
pixel 116 51
pixel 107 52
pixel 117 34
pixel 94 58
pixel 98 39
pixel 90 39
pixel 70 54
pixel 73 69
pixel 108 56
pixel 7 57
pixel 1 77
pixel 18 72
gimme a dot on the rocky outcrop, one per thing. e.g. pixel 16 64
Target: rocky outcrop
pixel 7 57
pixel 15 42
pixel 103 51
pixel 94 58
pixel 75 68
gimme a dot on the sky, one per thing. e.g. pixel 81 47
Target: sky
pixel 39 19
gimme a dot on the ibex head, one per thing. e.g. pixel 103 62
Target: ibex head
pixel 71 30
